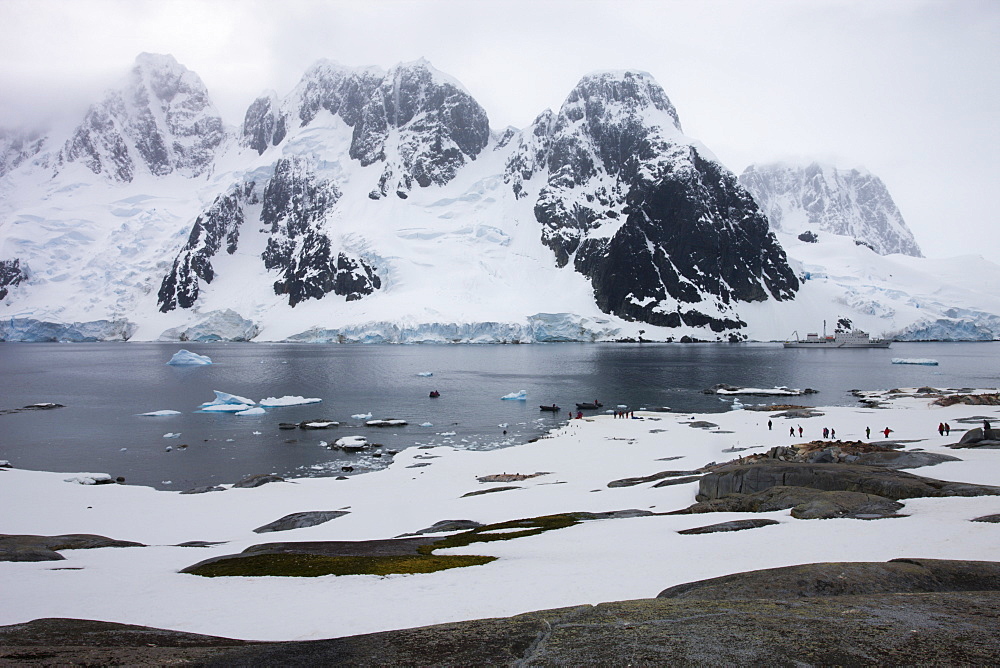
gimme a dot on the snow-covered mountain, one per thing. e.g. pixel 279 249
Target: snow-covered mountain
pixel 820 198
pixel 371 205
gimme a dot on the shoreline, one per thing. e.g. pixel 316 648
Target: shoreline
pixel 566 471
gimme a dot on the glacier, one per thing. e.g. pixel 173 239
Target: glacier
pixel 378 206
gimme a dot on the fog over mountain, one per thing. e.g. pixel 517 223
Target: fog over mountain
pixel 380 206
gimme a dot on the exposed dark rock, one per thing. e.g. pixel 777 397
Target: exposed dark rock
pixel 904 459
pixel 702 424
pixel 490 490
pixel 11 275
pixel 631 482
pixel 969 399
pixel 681 227
pixel 735 525
pixel 446 526
pixel 979 438
pixel 301 520
pixel 808 237
pixel 992 519
pixel 749 479
pixel 204 489
pixel 162 121
pixel 677 481
pixel 828 505
pixel 945 613
pixel 258 479
pixel 15 547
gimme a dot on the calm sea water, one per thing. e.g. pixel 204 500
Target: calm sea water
pixel 105 386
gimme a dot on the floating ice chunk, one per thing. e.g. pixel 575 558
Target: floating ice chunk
pixel 91 479
pixel 426 424
pixel 386 423
pixel 622 406
pixel 256 410
pixel 324 444
pixel 171 434
pixel 351 442
pixel 426 374
pixel 503 425
pixel 6 464
pixel 226 398
pixel 447 433
pixel 917 360
pixel 225 408
pixel 362 416
pixel 256 433
pixel 159 413
pixel 288 400
pixel 188 358
pixel 520 395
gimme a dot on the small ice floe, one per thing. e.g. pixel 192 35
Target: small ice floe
pixel 426 374
pixel 447 433
pixel 171 434
pixel 918 360
pixel 324 444
pixel 159 413
pixel 319 424
pixel 4 464
pixel 256 410
pixel 123 450
pixel 91 479
pixel 520 395
pixel 225 408
pixel 188 358
pixel 737 404
pixel 256 433
pixel 222 398
pixel 503 425
pixel 288 400
pixel 386 423
pixel 426 424
pixel 622 406
pixel 169 448
pixel 351 443
pixel 362 416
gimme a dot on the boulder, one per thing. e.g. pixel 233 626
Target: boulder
pixel 446 526
pixel 979 438
pixel 992 519
pixel 855 505
pixel 301 520
pixel 204 489
pixel 903 459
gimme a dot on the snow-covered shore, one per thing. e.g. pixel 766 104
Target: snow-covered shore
pixel 591 562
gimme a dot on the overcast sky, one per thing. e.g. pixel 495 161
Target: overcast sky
pixel 909 89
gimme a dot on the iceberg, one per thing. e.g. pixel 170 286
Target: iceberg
pixel 520 395
pixel 288 400
pixel 226 398
pixel 159 413
pixel 918 360
pixel 171 434
pixel 256 410
pixel 187 358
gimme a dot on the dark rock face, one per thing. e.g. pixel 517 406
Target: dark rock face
pixel 161 121
pixel 436 126
pixel 219 225
pixel 666 236
pixel 295 202
pixel 847 202
pixel 11 275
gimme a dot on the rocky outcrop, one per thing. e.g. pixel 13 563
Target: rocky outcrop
pixel 301 520
pixel 46 548
pixel 806 503
pixel 735 525
pixel 161 121
pixel 257 479
pixel 422 125
pixel 903 612
pixel 11 275
pixel 888 483
pixel 666 235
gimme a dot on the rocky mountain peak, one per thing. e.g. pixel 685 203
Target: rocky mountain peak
pixel 622 93
pixel 817 197
pixel 161 120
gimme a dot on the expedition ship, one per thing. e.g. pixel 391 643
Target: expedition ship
pixel 841 338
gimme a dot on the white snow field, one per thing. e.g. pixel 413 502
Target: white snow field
pixel 595 561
